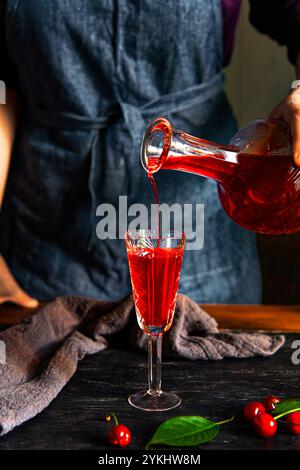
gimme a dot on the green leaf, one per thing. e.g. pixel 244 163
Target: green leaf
pixel 285 407
pixel 186 431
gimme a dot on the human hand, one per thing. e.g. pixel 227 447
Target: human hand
pixel 289 110
pixel 10 291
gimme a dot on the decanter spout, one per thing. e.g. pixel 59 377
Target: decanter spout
pixel 166 148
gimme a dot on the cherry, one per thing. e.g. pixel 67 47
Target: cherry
pixel 265 425
pixel 270 402
pixel 118 434
pixel 252 409
pixel 293 422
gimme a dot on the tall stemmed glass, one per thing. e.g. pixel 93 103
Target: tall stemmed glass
pixel 155 265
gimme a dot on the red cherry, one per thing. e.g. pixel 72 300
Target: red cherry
pixel 119 435
pixel 293 422
pixel 252 409
pixel 270 402
pixel 265 425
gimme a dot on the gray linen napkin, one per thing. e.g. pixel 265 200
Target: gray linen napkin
pixel 42 351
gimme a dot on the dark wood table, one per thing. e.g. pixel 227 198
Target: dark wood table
pixel 75 419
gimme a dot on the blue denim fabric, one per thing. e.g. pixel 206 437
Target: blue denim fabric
pixel 93 75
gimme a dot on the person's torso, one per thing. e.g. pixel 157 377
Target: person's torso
pixel 78 62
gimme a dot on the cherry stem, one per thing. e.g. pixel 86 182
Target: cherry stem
pixel 286 413
pixel 226 420
pixel 115 418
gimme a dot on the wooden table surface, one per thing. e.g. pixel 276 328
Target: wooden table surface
pixel 74 420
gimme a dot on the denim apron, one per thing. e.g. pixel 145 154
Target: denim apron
pixel 93 74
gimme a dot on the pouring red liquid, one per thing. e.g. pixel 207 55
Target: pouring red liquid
pixel 258 184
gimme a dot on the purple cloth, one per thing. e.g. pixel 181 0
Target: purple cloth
pixel 230 12
pixel 279 19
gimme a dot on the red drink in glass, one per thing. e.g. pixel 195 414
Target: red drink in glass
pixel 155 274
pixel 154 264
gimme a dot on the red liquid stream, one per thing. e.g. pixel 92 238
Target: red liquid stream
pixel 260 193
pixel 156 197
pixel 155 277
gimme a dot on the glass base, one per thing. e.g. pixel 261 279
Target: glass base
pixel 148 402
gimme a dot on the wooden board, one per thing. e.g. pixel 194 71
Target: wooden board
pixel 257 317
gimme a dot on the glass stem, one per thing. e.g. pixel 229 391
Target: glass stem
pixel 154 364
